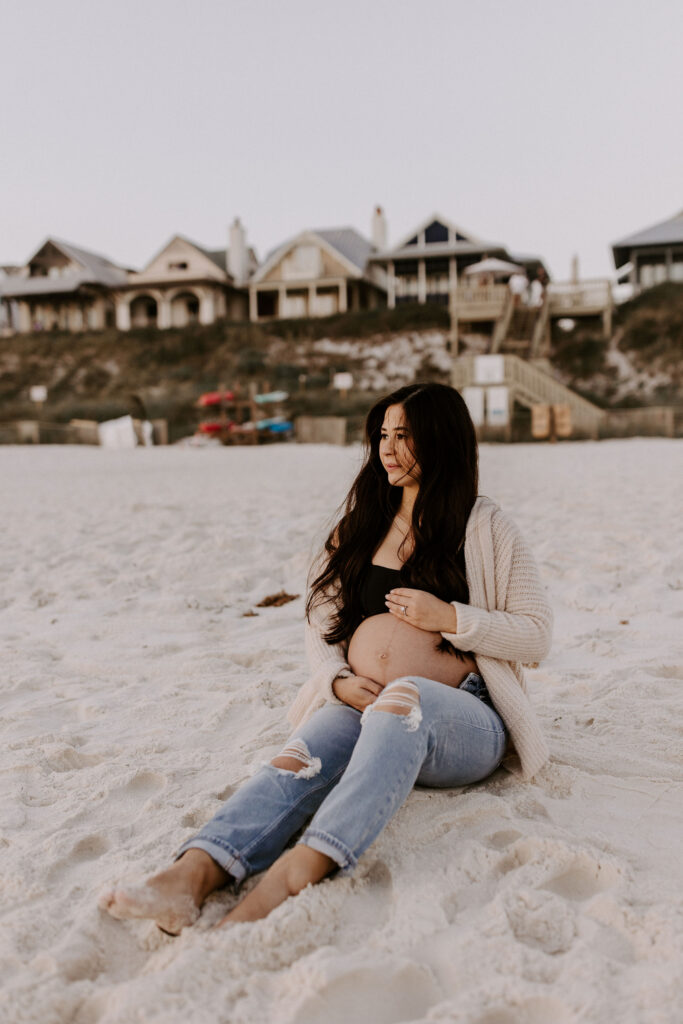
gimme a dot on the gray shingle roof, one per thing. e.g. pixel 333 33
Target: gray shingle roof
pixel 217 256
pixel 666 232
pixel 94 269
pixel 349 242
pixel 99 268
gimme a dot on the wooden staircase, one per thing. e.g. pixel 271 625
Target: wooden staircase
pixel 532 384
pixel 522 330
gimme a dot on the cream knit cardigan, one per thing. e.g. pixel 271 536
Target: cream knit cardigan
pixel 508 623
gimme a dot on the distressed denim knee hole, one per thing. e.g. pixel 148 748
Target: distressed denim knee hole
pixel 401 697
pixel 296 760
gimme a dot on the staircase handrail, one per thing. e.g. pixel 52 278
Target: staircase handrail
pixel 502 327
pixel 535 384
pixel 541 325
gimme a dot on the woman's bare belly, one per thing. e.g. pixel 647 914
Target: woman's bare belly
pixel 384 648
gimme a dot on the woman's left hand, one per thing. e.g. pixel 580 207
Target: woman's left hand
pixel 421 609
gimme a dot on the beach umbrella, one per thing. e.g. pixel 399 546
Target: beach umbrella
pixel 494 267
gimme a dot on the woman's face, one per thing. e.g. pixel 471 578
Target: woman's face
pixel 395 449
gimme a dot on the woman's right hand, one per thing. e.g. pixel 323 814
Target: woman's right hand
pixel 356 691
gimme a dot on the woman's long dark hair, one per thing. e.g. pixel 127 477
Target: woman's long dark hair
pixel 444 444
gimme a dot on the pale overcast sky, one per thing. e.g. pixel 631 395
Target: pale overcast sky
pixel 553 127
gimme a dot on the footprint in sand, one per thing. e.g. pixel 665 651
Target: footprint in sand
pixel 665 671
pixel 223 794
pixel 122 804
pixel 500 840
pixel 196 818
pixel 89 847
pixel 583 880
pixel 65 758
pixel 364 994
pixel 368 909
pixel 534 1011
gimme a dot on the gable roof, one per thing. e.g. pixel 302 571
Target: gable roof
pixel 217 256
pixel 93 269
pixel 465 236
pixel 666 232
pixel 345 243
pixel 349 242
pixel 98 267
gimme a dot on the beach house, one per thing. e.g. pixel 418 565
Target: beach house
pixel 67 288
pixel 425 265
pixel 653 255
pixel 62 287
pixel 186 283
pixel 317 273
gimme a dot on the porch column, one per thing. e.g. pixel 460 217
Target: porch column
pixel 607 320
pixel 98 315
pixel 391 285
pixel 163 312
pixel 453 304
pixel 24 318
pixel 669 261
pixel 74 319
pixel 312 305
pixel 343 299
pixel 452 274
pixel 253 304
pixel 421 282
pixel 206 308
pixel 281 300
pixel 122 314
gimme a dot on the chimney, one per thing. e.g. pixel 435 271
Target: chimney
pixel 236 261
pixel 379 228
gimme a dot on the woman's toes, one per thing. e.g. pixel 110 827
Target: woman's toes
pixel 171 910
pixel 106 898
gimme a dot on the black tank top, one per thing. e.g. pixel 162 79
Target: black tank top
pixel 378 581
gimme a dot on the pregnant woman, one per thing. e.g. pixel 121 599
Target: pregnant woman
pixel 425 606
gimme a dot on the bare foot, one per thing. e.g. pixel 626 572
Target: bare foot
pixel 292 872
pixel 172 898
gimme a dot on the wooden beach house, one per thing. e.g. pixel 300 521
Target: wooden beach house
pixel 426 264
pixel 317 273
pixel 186 283
pixel 62 287
pixel 653 255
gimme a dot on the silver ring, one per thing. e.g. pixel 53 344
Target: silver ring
pixel 405 609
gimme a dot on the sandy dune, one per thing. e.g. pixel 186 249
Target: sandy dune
pixel 136 696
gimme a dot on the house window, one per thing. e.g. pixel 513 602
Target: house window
pixel 436 232
pixel 180 265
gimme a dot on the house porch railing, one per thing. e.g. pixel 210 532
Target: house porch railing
pixel 570 297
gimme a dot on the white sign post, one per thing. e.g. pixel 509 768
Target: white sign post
pixel 497 406
pixel 489 369
pixel 474 400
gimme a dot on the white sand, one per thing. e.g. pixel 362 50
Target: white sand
pixel 135 697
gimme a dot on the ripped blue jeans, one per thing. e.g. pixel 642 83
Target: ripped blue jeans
pixel 356 771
